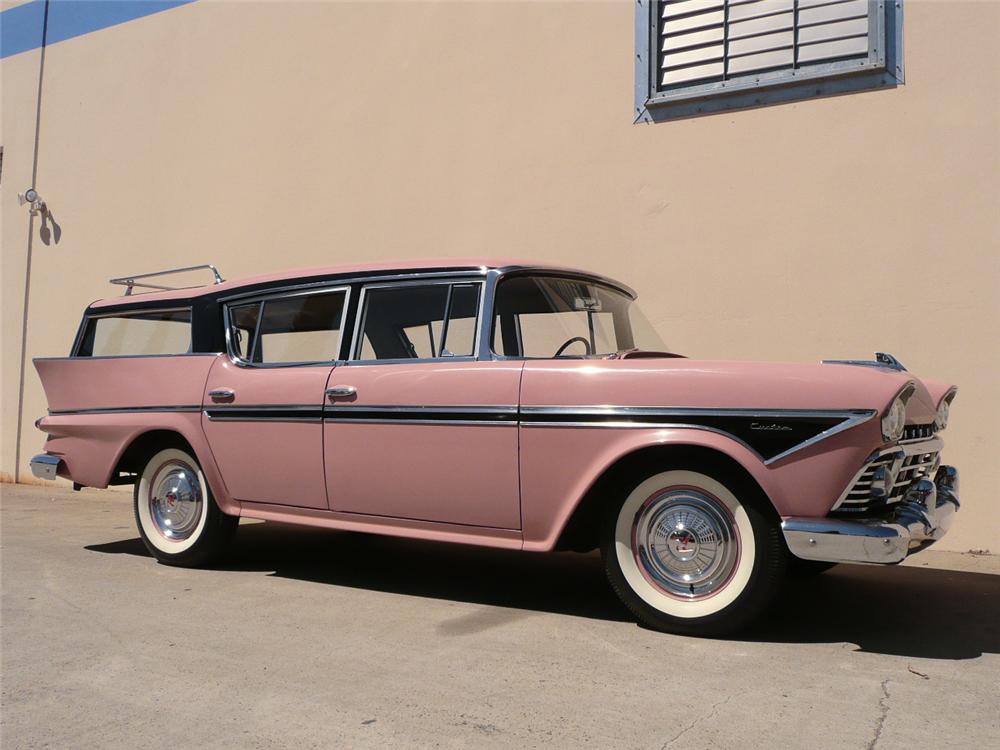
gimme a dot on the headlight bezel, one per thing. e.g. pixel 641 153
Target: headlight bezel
pixel 944 409
pixel 893 421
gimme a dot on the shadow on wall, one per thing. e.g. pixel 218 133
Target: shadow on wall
pixel 50 231
pixel 916 612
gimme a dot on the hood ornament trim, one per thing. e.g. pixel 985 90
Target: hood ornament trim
pixel 881 360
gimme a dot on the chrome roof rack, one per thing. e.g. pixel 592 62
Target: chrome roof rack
pixel 131 282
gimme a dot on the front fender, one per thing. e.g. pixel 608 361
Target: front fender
pixel 560 465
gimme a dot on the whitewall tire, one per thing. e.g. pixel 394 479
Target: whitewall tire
pixel 692 550
pixel 176 515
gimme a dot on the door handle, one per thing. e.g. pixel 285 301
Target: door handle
pixel 222 394
pixel 341 391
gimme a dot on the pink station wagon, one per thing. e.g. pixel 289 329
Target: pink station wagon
pixel 497 403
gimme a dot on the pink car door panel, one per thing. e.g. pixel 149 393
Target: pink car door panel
pixel 263 406
pixel 415 427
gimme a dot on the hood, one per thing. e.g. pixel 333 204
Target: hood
pixel 696 383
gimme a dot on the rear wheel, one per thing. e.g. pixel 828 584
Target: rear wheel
pixel 177 517
pixel 690 552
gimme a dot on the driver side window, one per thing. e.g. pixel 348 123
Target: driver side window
pixel 419 321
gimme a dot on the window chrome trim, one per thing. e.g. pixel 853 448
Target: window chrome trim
pixel 81 329
pixel 429 274
pixel 359 320
pixel 484 345
pixel 271 296
pixel 353 279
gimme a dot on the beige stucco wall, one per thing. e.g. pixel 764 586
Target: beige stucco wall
pixel 267 135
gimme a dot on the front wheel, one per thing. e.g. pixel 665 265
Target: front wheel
pixel 178 519
pixel 691 553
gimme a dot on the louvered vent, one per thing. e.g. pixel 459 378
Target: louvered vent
pixel 704 41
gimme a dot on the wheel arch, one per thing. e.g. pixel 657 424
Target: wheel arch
pixel 581 530
pixel 142 445
pixel 134 455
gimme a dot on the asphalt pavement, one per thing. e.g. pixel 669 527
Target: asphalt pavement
pixel 312 639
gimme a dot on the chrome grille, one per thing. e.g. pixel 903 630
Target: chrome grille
pixel 904 466
pixel 918 466
pixel 859 497
pixel 917 432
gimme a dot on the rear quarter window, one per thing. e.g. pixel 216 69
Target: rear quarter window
pixel 147 333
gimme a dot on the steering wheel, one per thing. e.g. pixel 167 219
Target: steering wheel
pixel 570 342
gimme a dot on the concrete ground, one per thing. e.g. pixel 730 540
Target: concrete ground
pixel 322 639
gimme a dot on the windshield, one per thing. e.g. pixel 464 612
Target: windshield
pixel 547 316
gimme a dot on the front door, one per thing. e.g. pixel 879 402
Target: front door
pixel 263 405
pixel 415 427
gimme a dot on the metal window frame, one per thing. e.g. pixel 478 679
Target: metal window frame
pixel 271 296
pixel 446 323
pixel 488 277
pixel 356 343
pixel 882 69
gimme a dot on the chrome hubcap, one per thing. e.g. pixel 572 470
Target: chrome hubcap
pixel 175 502
pixel 685 542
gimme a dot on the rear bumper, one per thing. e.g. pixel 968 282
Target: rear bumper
pixel 46 466
pixel 923 516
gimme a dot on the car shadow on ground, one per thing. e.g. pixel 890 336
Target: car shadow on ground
pixel 907 611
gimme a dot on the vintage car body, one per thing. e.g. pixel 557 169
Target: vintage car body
pixel 486 448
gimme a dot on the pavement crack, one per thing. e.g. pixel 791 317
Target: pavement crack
pixel 715 708
pixel 883 708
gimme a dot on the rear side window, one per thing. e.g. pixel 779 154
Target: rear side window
pixel 419 321
pixel 288 330
pixel 147 333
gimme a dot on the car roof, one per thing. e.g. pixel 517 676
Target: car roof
pixel 305 275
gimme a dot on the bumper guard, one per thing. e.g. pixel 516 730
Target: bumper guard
pixel 922 517
pixel 46 466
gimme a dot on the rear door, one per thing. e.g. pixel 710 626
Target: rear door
pixel 263 405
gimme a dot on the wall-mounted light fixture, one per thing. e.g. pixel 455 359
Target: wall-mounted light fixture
pixel 35 203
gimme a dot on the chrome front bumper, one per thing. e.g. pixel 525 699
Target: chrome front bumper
pixel 922 517
pixel 46 466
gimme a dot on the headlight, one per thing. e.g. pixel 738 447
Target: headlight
pixel 894 419
pixel 941 419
